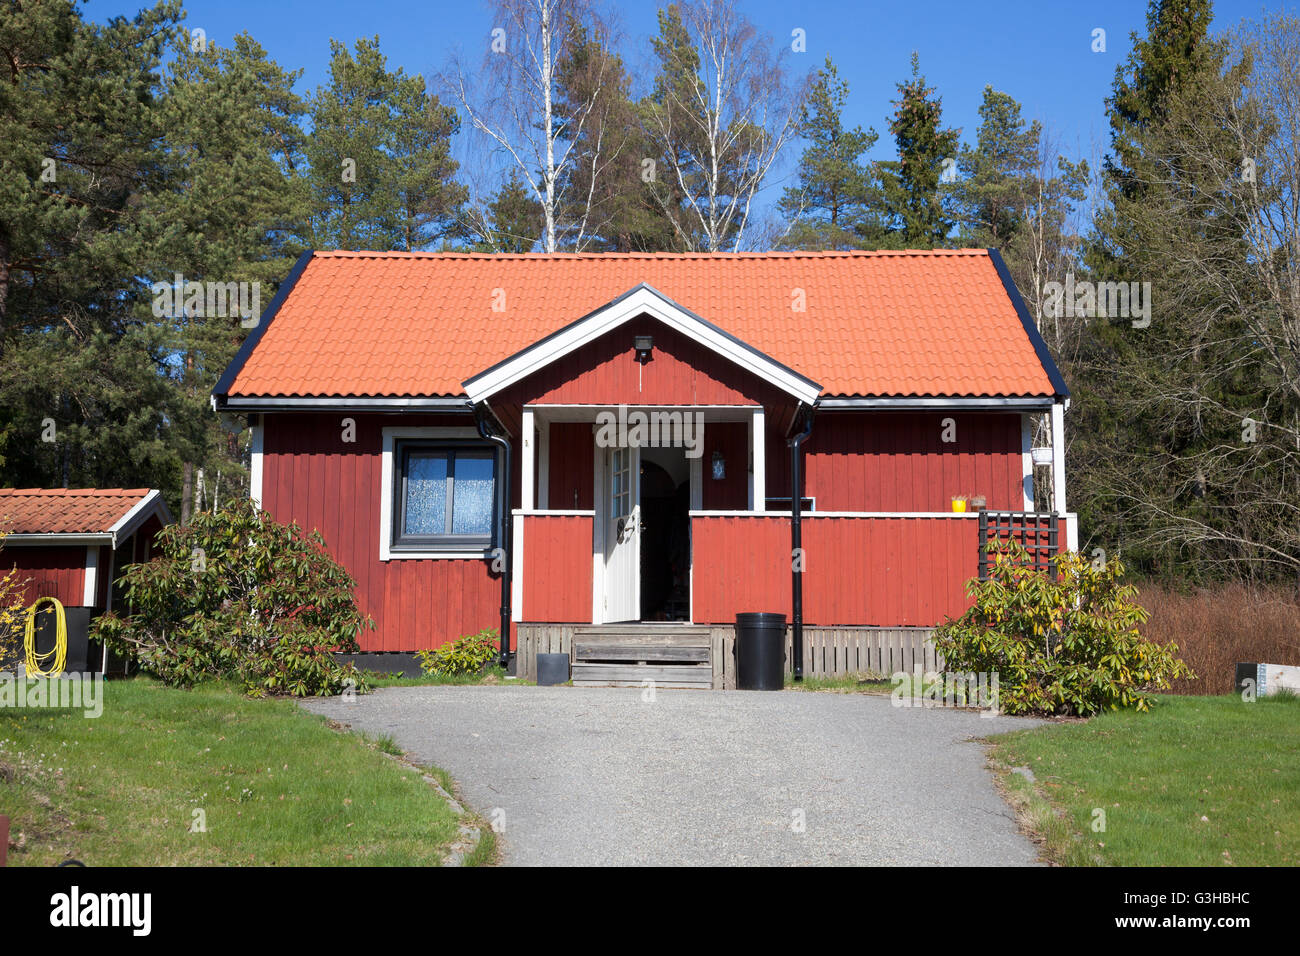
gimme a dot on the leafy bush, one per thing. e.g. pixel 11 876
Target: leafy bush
pixel 469 655
pixel 13 614
pixel 1063 643
pixel 238 595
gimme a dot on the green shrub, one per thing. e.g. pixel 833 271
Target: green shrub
pixel 238 595
pixel 469 655
pixel 1063 643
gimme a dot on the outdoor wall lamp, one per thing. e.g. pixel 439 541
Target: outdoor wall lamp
pixel 643 345
pixel 719 466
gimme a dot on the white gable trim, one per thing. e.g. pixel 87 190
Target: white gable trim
pixel 150 504
pixel 642 300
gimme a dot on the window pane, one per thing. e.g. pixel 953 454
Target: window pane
pixel 472 493
pixel 426 494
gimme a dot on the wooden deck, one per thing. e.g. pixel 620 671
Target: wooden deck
pixel 623 655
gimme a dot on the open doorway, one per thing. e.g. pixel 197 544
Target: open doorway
pixel 665 535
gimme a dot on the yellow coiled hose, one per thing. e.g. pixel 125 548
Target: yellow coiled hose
pixel 60 652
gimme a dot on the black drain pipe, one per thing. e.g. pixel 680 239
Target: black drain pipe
pixel 797 560
pixel 481 413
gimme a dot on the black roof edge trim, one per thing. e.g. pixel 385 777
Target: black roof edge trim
pixel 222 388
pixel 615 301
pixel 1031 328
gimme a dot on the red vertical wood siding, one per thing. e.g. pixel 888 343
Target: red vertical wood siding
pixel 897 461
pixel 571 466
pixel 557 568
pixel 58 572
pixel 606 372
pixel 310 475
pixel 887 572
pixel 731 493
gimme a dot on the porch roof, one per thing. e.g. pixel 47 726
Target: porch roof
pixel 942 323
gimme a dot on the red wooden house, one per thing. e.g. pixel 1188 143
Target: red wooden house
pixel 71 544
pixel 636 420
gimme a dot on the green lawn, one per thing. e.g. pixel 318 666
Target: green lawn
pixel 1199 781
pixel 277 786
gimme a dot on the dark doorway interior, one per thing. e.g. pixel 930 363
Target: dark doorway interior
pixel 665 545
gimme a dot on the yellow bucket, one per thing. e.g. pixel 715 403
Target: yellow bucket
pixel 959 504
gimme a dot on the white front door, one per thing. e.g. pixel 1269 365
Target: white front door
pixel 622 516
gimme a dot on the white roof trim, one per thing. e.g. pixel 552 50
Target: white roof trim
pixel 643 300
pixel 139 513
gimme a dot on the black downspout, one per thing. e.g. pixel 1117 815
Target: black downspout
pixel 480 420
pixel 797 560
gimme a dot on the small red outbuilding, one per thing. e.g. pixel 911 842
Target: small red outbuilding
pixel 71 543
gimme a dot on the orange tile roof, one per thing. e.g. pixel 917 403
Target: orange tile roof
pixel 65 510
pixel 910 323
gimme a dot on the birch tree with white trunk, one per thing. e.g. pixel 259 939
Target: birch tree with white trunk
pixel 723 108
pixel 513 100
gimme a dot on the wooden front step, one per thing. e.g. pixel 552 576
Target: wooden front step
pixel 622 655
pixel 690 635
pixel 604 651
pixel 684 675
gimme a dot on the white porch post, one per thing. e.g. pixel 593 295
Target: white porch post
pixel 528 463
pixel 544 465
pixel 1058 458
pixel 90 582
pixel 257 466
pixel 758 473
pixel 1027 460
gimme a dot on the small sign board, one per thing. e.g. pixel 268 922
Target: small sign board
pixel 1269 678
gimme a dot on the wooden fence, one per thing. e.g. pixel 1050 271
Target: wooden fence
pixel 827 651
pixel 534 639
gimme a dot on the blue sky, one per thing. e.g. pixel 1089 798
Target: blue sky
pixel 1040 52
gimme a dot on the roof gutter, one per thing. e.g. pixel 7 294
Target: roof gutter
pixel 972 404
pixel 455 406
pixel 796 540
pixel 55 538
pixel 481 415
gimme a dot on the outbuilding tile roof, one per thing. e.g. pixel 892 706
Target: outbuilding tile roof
pixel 65 510
pixel 908 323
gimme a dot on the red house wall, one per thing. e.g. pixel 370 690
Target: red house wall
pixel 557 568
pixel 730 493
pixel 606 372
pixel 887 572
pixel 897 461
pixel 571 466
pixel 57 572
pixel 311 476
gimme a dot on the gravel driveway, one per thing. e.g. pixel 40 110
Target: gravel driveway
pixel 599 776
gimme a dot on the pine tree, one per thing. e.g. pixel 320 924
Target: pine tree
pixel 831 207
pixel 514 219
pixel 84 396
pixel 1146 396
pixel 231 215
pixel 607 200
pixel 381 172
pixel 913 201
pixel 996 175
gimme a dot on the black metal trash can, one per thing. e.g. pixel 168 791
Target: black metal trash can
pixel 760 651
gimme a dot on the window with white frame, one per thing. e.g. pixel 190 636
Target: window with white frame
pixel 444 495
